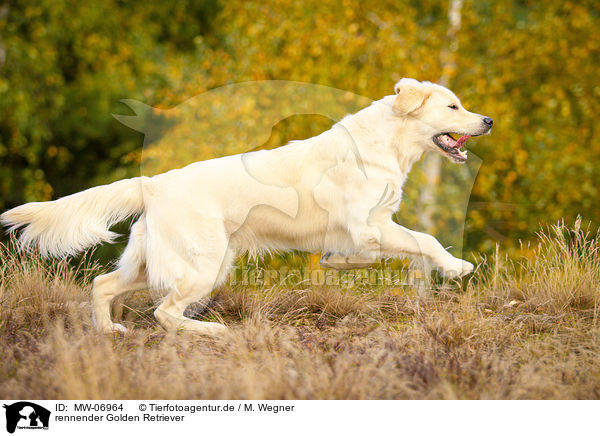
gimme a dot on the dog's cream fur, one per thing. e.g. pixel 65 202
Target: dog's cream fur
pixel 332 193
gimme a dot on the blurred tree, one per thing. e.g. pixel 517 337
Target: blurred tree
pixel 432 165
pixel 532 67
pixel 65 67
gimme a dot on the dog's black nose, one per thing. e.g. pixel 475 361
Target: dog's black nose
pixel 488 121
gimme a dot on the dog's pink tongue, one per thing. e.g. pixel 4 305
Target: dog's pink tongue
pixel 461 141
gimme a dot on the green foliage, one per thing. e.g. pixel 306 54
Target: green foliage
pixel 67 66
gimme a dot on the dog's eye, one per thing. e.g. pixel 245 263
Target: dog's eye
pixel 453 106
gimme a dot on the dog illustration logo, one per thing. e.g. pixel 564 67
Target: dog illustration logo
pixel 26 415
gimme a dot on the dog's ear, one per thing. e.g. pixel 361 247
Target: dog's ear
pixel 410 96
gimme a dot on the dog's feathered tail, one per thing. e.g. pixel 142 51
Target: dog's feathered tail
pixel 71 224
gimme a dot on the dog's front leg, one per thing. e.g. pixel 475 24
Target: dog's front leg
pixel 397 241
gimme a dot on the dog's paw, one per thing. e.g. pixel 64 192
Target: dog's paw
pixel 467 268
pixel 113 327
pixel 457 268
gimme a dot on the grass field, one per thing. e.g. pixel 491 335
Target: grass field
pixel 521 329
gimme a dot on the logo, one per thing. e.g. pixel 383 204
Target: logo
pixel 26 415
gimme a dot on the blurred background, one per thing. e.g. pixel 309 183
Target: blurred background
pixel 530 65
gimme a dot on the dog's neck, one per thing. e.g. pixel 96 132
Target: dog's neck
pixel 406 152
pixel 385 133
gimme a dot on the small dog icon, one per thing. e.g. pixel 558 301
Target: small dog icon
pixel 29 414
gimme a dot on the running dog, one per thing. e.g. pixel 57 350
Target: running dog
pixel 332 193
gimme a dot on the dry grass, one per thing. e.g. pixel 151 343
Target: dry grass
pixel 515 330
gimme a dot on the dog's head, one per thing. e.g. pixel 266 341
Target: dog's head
pixel 437 114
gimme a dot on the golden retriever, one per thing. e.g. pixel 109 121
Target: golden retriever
pixel 334 193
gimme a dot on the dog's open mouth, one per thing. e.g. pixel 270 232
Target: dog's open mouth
pixel 452 147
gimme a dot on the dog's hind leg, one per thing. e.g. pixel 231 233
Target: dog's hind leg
pixel 106 287
pixel 197 283
pixel 170 313
pixel 129 276
pixel 118 302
